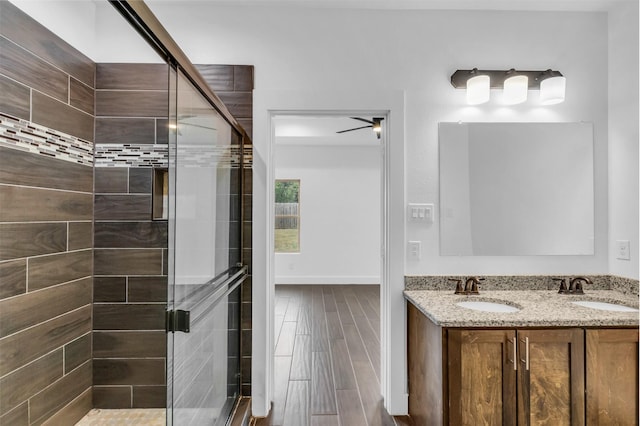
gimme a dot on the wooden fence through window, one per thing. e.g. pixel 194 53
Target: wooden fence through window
pixel 287 215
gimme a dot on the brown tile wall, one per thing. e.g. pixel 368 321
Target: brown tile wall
pixel 46 212
pixel 49 356
pixel 130 282
pixel 234 85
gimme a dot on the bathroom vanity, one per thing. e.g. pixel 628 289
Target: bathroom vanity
pixel 522 357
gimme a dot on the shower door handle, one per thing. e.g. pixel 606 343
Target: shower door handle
pixel 178 320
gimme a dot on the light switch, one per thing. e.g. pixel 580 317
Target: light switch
pixel 422 213
pixel 622 250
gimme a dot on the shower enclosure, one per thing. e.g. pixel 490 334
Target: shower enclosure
pixel 120 220
pixel 202 191
pixel 205 270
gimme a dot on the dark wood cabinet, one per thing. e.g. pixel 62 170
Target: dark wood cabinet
pixel 551 377
pixel 521 376
pixel 481 377
pixel 488 370
pixel 612 377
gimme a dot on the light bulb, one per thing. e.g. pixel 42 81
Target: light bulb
pixel 552 90
pixel 515 89
pixel 478 89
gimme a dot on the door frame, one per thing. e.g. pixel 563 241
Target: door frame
pixel 270 103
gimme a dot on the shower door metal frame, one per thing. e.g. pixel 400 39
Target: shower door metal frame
pixel 138 14
pixel 140 17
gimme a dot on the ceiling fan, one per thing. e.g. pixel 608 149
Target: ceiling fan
pixel 375 123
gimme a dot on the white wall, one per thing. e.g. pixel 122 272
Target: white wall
pixel 74 22
pixel 350 50
pixel 339 214
pixel 355 51
pixel 95 28
pixel 404 49
pixel 623 136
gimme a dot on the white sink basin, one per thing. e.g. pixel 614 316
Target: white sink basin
pixel 487 306
pixel 603 306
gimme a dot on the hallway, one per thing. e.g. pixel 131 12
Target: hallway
pixel 327 357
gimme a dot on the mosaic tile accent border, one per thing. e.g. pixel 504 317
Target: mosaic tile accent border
pixel 248 156
pixel 518 282
pixel 24 135
pixel 157 155
pixel 132 155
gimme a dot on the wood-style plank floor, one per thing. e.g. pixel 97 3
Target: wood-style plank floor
pixel 327 357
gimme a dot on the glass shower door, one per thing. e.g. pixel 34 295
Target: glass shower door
pixel 204 255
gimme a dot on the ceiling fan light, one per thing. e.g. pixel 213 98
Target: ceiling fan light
pixel 552 90
pixel 515 89
pixel 478 90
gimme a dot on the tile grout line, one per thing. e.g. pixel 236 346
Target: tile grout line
pixel 44 188
pixel 45 321
pixel 48 62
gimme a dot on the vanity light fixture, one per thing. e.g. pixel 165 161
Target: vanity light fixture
pixel 478 85
pixel 515 88
pixel 515 84
pixel 552 88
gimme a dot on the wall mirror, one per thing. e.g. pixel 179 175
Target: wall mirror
pixel 516 189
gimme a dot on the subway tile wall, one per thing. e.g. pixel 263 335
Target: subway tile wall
pixel 130 248
pixel 46 213
pixel 87 339
pixel 234 85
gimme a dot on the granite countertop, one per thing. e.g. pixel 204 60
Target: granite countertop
pixel 538 308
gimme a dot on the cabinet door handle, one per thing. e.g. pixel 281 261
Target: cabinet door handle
pixel 514 360
pixel 525 361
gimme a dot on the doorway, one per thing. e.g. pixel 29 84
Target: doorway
pixel 270 103
pixel 327 232
pixel 327 200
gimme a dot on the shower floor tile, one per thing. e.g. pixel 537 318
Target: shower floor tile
pixel 126 417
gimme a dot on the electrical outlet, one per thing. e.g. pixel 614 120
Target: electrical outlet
pixel 622 250
pixel 415 247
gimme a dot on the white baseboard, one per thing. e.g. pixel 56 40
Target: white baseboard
pixel 329 280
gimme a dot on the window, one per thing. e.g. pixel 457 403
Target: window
pixel 287 216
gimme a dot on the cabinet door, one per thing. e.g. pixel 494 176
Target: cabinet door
pixel 612 377
pixel 551 377
pixel 482 377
